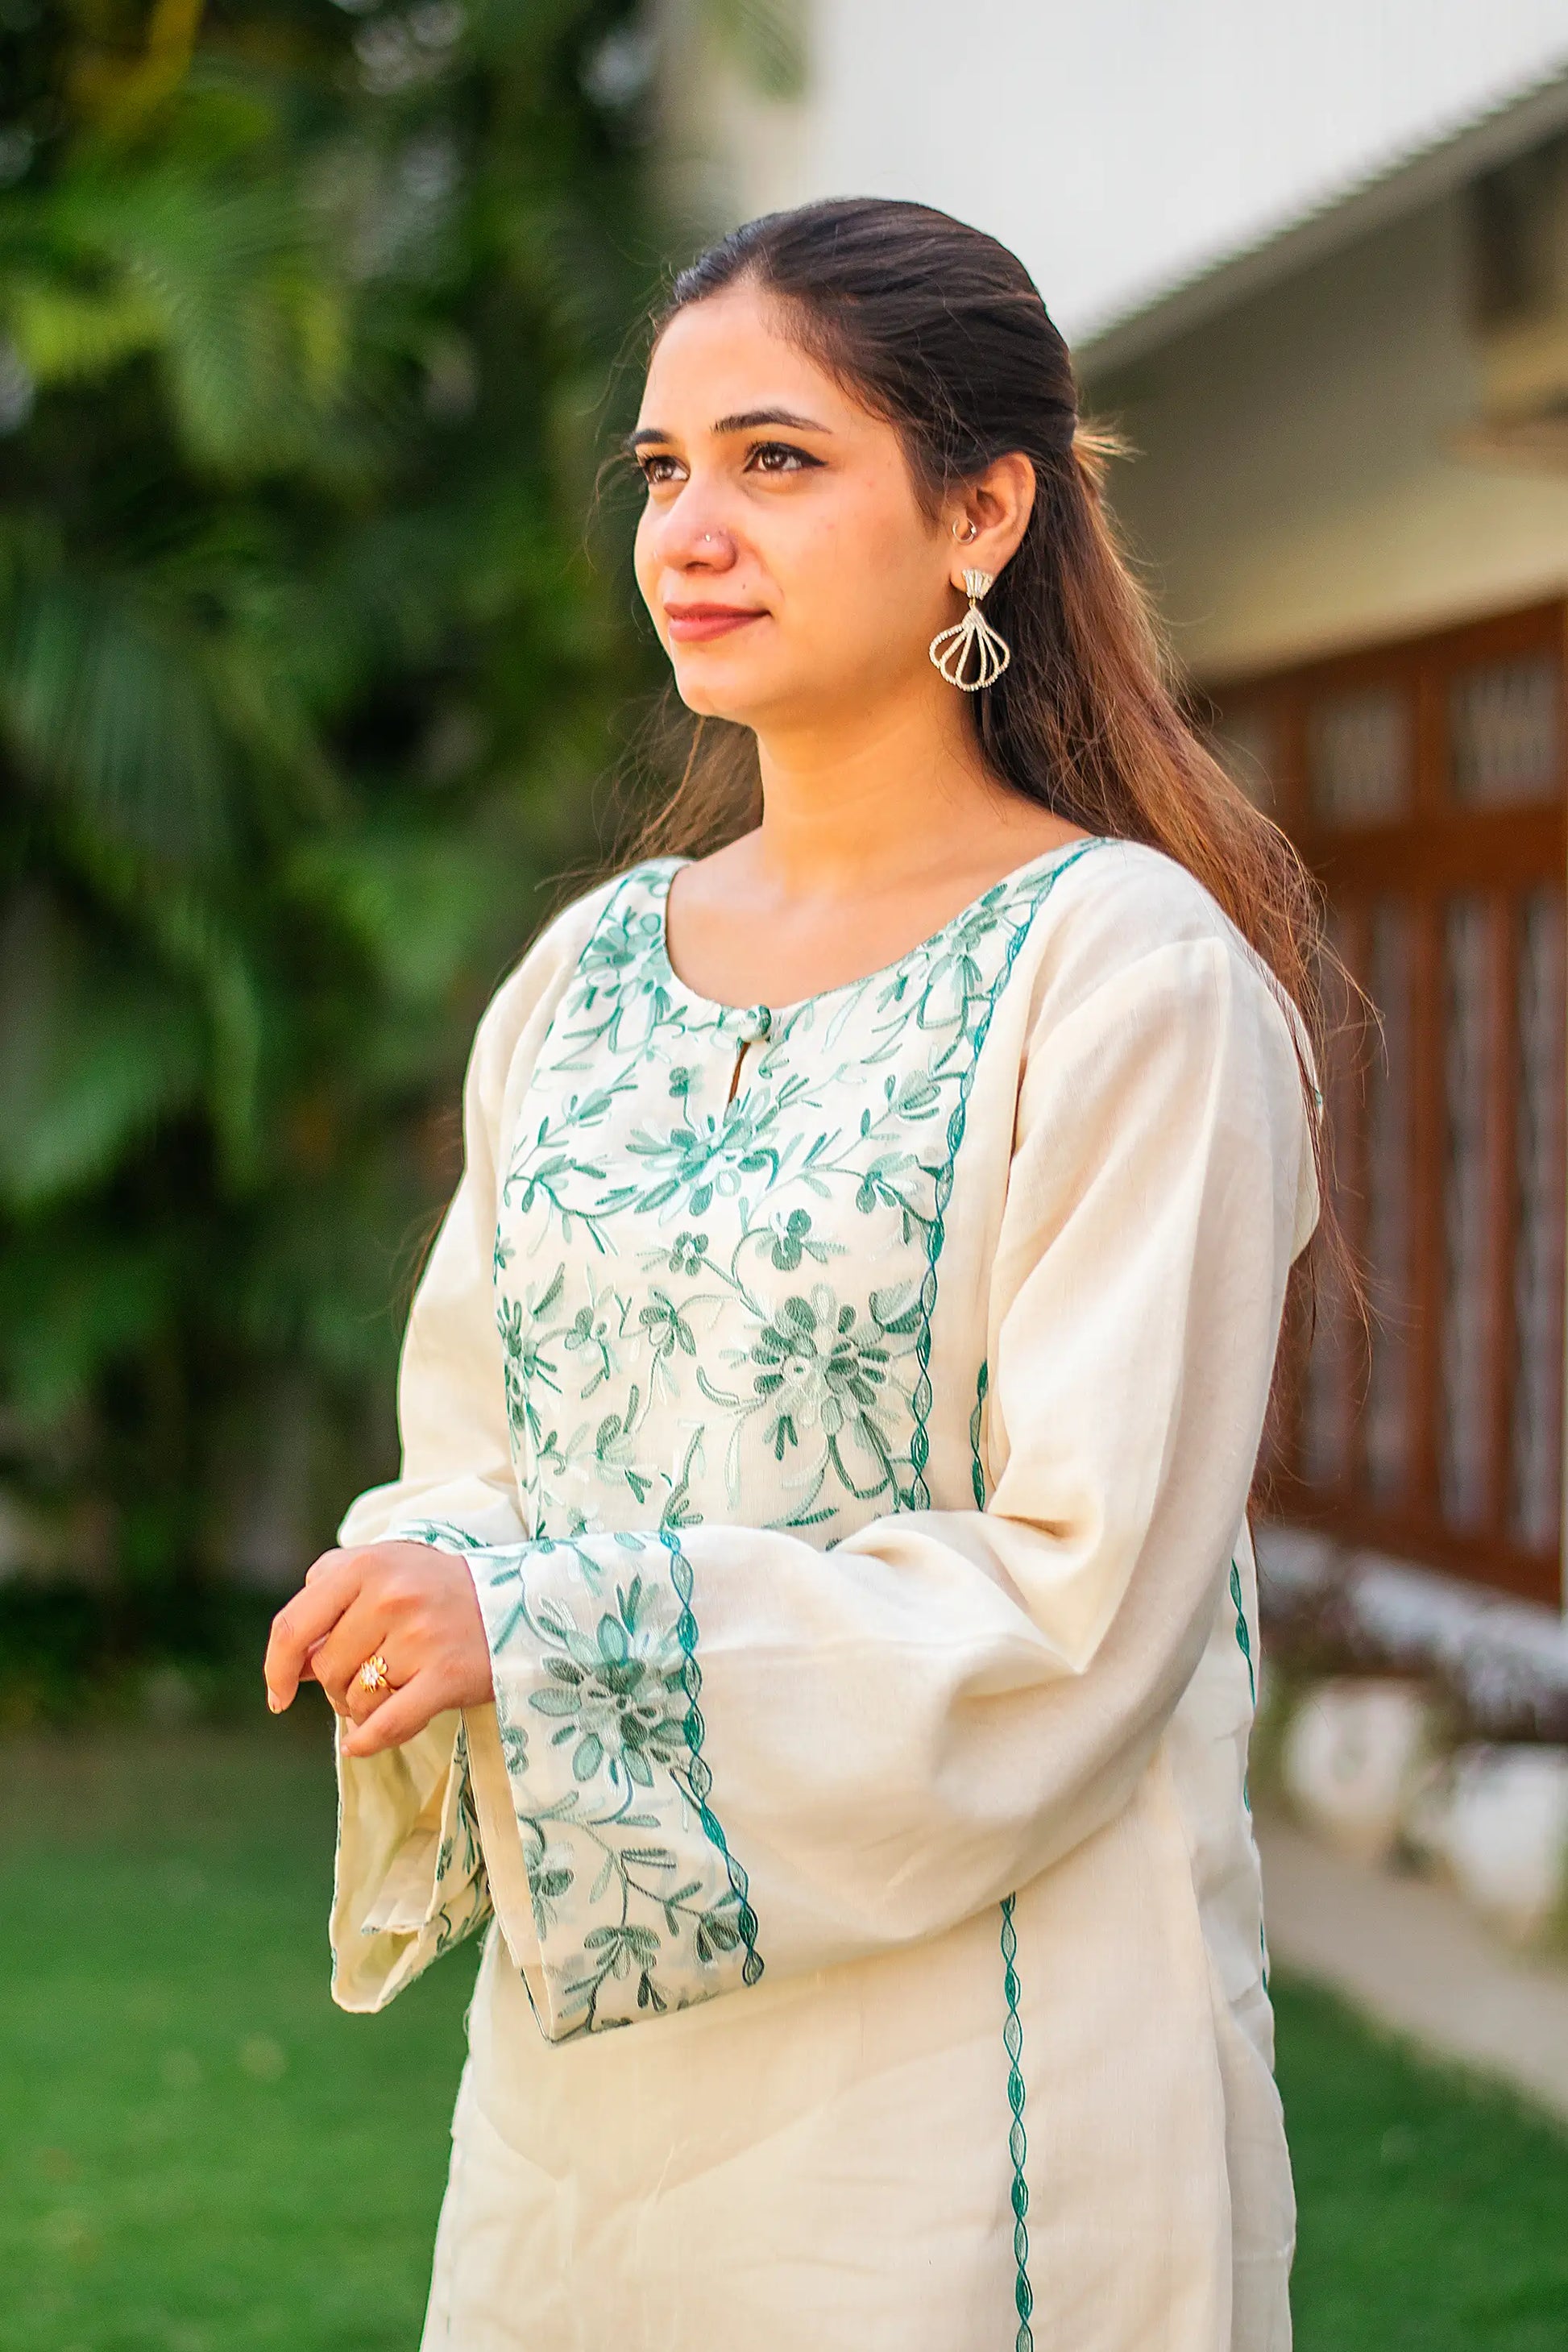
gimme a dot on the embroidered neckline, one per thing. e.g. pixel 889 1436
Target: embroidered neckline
pixel 659 872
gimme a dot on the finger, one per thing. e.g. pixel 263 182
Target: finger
pixel 329 1560
pixel 304 1622
pixel 360 1633
pixel 308 1674
pixel 399 1717
pixel 360 1704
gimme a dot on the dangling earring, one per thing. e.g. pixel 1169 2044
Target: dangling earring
pixel 950 648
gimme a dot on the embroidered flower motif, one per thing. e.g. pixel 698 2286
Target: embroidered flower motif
pixel 821 1370
pixel 815 1366
pixel 666 1330
pixel 792 1229
pixel 550 1877
pixel 690 1164
pixel 617 1691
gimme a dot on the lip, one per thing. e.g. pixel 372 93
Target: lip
pixel 692 624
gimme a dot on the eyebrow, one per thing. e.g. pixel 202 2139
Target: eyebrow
pixel 745 421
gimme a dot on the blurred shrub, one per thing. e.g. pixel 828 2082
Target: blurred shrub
pixel 309 323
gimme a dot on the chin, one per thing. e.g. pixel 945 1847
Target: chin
pixel 745 701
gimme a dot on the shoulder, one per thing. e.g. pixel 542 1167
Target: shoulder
pixel 595 938
pixel 1140 971
pixel 1124 913
pixel 1118 899
pixel 527 997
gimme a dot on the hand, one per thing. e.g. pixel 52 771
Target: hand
pixel 411 1604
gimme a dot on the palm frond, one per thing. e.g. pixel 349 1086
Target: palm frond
pixel 93 1052
pixel 101 703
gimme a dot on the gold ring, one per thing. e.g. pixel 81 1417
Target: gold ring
pixel 373 1676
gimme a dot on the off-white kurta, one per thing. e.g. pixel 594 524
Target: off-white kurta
pixel 847 1409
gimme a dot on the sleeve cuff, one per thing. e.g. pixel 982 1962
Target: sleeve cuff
pixel 636 1905
pixel 411 1877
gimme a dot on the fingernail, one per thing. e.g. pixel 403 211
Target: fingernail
pixel 272 1703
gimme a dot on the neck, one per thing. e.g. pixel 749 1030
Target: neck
pixel 872 795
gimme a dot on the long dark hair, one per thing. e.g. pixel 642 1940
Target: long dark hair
pixel 941 330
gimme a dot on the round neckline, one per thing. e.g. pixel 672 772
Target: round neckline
pixel 670 865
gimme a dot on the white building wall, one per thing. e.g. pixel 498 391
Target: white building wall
pixel 1120 148
pixel 1299 486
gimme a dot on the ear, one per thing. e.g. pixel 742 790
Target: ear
pixel 999 503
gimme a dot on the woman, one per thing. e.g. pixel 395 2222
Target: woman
pixel 814 1627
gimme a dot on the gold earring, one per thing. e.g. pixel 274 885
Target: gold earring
pixel 950 648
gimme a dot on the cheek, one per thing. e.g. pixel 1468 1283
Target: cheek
pixel 645 563
pixel 859 574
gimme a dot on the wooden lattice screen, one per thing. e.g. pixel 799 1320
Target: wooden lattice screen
pixel 1424 783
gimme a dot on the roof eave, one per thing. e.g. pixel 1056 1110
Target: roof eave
pixel 1506 130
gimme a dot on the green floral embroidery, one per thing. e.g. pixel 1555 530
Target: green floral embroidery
pixel 817 1376
pixel 634 1914
pixel 462 1891
pixel 802 1403
pixel 715 1283
pixel 619 1691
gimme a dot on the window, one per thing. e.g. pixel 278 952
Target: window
pixel 1424 784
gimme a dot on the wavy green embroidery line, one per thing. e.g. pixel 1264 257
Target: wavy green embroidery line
pixel 1243 1638
pixel 1018 2141
pixel 976 1468
pixel 1244 1644
pixel 936 1231
pixel 699 1780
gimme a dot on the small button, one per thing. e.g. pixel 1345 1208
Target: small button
pixel 754 1024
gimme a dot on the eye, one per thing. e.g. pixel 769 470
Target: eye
pixel 780 458
pixel 657 468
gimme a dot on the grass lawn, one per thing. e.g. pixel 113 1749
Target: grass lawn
pixel 199 2154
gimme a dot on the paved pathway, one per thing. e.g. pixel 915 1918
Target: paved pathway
pixel 1410 1954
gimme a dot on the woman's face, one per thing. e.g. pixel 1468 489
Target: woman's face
pixel 790 571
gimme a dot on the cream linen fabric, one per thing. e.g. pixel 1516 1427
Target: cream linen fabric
pixel 853 1470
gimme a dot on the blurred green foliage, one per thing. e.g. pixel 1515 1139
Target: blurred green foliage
pixel 314 319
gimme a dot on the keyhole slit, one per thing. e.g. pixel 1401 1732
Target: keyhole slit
pixel 754 1024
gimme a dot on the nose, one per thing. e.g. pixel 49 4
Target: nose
pixel 689 544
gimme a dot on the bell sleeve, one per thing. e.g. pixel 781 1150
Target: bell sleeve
pixel 717 1749
pixel 411 1873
